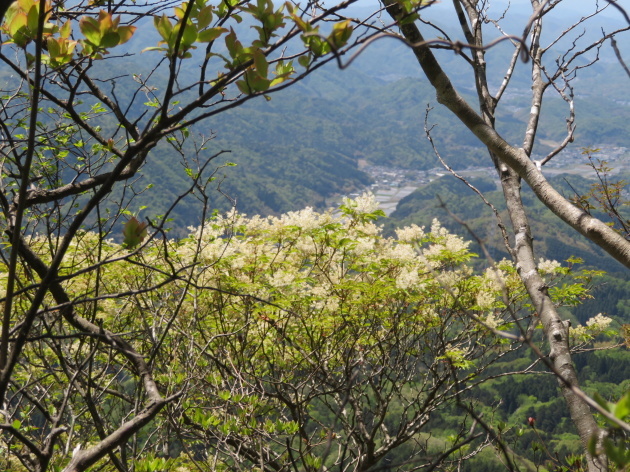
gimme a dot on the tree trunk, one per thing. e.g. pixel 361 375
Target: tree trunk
pixel 504 157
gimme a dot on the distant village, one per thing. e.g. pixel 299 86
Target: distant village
pixel 611 154
pixel 391 184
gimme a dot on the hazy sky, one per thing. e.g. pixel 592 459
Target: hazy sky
pixel 576 6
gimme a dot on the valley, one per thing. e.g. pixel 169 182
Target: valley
pixel 392 184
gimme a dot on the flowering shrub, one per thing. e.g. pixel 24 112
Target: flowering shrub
pixel 287 326
pixel 276 334
pixel 595 326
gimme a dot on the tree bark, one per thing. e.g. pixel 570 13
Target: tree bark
pixel 513 164
pixel 516 158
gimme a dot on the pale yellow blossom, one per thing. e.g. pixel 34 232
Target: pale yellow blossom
pixel 407 278
pixel 365 203
pixel 410 233
pixel 546 266
pixel 599 321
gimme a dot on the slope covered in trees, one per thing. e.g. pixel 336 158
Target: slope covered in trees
pixel 290 343
pixel 300 148
pixel 553 240
pixel 319 128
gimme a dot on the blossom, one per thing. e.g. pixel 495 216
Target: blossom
pixel 450 278
pixel 548 266
pixel 492 321
pixel 401 252
pixel 599 322
pixel 407 278
pixel 443 241
pixel 282 278
pixel 368 229
pixel 494 278
pixel 579 332
pixel 410 233
pixel 485 300
pixel 595 326
pixel 323 299
pixel 364 245
pixel 306 219
pixel 365 203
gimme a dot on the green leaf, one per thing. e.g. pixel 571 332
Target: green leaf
pixel 260 62
pixel 66 29
pixel 317 45
pixel 233 45
pixel 53 47
pixel 16 424
pixel 134 233
pixel 210 34
pixel 13 11
pixel 340 34
pixel 33 19
pixel 305 61
pixel 163 26
pixel 90 29
pixel 180 12
pixel 110 39
pixel 17 28
pixel 243 87
pixel 205 17
pixel 189 37
pixel 622 408
pixel 125 33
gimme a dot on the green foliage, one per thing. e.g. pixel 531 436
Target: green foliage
pixel 103 33
pixel 268 338
pixel 256 324
pixel 134 233
pixel 193 25
pixel 616 445
pixel 271 20
pixel 21 22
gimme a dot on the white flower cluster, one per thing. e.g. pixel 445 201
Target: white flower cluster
pixel 594 326
pixel 408 278
pixel 403 253
pixel 546 266
pixel 492 320
pixel 365 203
pixel 296 254
pixel 599 321
pixel 495 277
pixel 328 266
pixel 306 219
pixel 485 299
pixel 443 244
pixel 410 234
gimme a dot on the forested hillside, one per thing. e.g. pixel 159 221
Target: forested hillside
pixel 195 274
pixel 554 240
pixel 301 147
